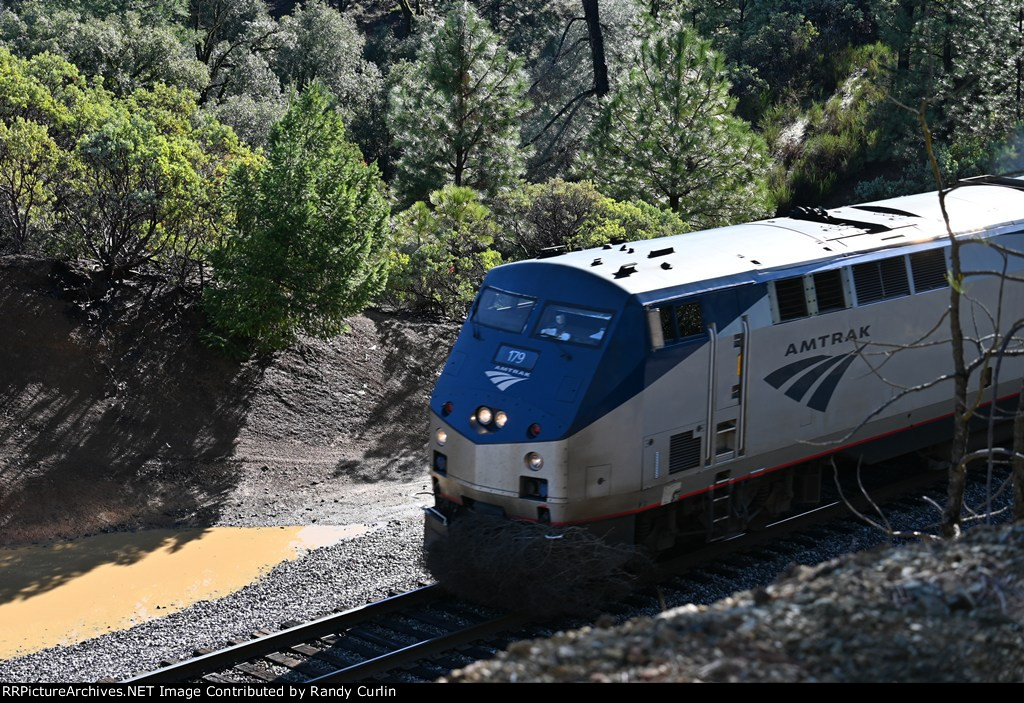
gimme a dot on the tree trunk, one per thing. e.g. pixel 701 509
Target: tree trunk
pixel 906 18
pixel 961 415
pixel 406 17
pixel 947 43
pixel 596 47
pixel 1018 61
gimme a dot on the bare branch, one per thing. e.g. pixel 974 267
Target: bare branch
pixel 887 527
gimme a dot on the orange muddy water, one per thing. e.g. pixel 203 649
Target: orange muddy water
pixel 68 592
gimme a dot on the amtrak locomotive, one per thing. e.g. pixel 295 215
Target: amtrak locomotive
pixel 690 384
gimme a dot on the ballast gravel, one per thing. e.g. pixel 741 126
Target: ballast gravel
pixel 922 611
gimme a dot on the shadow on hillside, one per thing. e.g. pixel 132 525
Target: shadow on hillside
pixel 28 572
pixel 112 414
pixel 397 424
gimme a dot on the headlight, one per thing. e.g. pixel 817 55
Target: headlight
pixel 500 418
pixel 484 415
pixel 440 436
pixel 534 462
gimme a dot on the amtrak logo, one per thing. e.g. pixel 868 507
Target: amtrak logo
pixel 807 372
pixel 503 379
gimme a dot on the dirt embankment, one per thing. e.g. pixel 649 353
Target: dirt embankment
pixel 114 415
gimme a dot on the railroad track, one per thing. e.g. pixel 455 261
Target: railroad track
pixel 422 634
pixel 425 633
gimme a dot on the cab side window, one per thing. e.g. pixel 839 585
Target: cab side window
pixel 680 322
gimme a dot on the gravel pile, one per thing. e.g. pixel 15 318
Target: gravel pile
pixel 339 577
pixel 925 612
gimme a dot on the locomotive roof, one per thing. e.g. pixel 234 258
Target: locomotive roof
pixel 693 262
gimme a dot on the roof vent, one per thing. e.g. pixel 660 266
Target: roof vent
pixel 666 265
pixel 596 262
pixel 607 246
pixel 661 252
pixel 548 252
pixel 625 271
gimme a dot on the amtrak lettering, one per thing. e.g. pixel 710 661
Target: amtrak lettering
pixel 825 340
pixel 504 376
pixel 512 371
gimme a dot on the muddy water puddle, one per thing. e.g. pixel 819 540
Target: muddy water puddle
pixel 64 593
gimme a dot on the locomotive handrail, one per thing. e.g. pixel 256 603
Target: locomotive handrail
pixel 709 433
pixel 741 440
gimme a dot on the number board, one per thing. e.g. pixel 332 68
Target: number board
pixel 517 358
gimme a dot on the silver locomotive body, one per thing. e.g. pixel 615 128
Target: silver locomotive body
pixel 684 384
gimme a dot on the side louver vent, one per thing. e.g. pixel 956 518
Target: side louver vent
pixel 929 269
pixel 789 294
pixel 881 280
pixel 683 452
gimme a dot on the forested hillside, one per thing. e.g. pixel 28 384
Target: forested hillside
pixel 288 164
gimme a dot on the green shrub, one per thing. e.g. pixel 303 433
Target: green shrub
pixel 557 213
pixel 442 252
pixel 310 235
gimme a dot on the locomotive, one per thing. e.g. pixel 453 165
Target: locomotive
pixel 692 384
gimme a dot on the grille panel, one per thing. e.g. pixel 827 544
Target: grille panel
pixel 683 452
pixel 929 269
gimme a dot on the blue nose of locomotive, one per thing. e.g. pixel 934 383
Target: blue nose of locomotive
pixel 545 350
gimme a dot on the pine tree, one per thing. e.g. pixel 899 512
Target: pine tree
pixel 457 111
pixel 669 136
pixel 966 61
pixel 311 229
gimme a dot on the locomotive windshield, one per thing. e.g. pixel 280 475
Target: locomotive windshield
pixel 504 311
pixel 572 324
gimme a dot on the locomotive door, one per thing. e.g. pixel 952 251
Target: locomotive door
pixel 729 338
pixel 674 408
pixel 693 402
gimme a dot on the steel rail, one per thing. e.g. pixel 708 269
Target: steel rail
pixel 331 624
pixel 422 650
